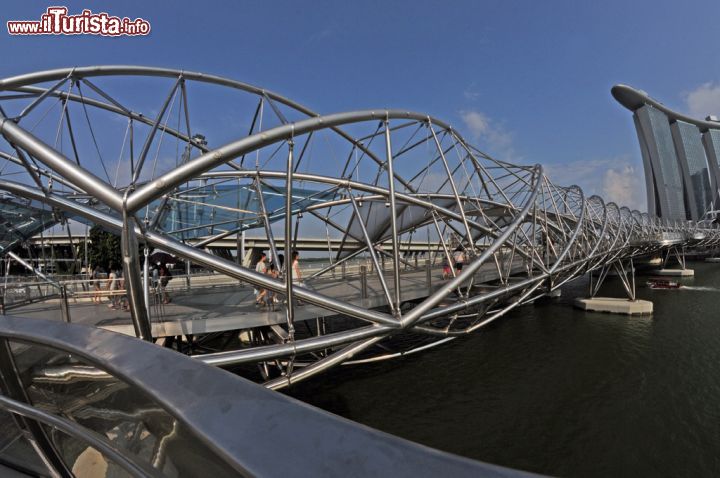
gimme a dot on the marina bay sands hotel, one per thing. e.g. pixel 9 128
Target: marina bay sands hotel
pixel 680 155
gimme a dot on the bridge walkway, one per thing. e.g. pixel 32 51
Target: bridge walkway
pixel 225 304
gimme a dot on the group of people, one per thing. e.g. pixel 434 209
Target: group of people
pixel 113 287
pixel 265 297
pixel 161 276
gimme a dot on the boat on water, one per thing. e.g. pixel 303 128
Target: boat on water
pixel 662 283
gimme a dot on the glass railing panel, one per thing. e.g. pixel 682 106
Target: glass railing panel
pixel 82 459
pixel 16 451
pixel 67 386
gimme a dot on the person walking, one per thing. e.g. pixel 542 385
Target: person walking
pixel 447 272
pixel 296 273
pixel 271 296
pixel 165 277
pixel 122 297
pixel 112 286
pixel 84 277
pixel 459 258
pixel 95 283
pixel 261 268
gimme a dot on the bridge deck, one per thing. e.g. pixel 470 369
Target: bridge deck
pixel 209 308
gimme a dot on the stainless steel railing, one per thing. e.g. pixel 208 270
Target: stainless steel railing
pixel 78 399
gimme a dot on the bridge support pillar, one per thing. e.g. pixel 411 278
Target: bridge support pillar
pixel 554 293
pixel 679 254
pixel 675 272
pixel 614 305
pixel 625 271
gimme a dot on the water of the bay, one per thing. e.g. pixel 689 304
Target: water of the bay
pixel 559 391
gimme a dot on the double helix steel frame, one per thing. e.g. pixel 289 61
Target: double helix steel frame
pixel 531 234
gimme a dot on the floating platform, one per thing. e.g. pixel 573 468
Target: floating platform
pixel 675 272
pixel 614 273
pixel 615 306
pixel 713 259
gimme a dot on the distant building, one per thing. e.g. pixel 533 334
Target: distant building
pixel 680 156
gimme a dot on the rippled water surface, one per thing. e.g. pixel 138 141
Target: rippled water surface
pixel 558 391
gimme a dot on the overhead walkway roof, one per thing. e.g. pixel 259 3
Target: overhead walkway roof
pixel 21 219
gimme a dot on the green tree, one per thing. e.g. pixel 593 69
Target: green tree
pixel 104 248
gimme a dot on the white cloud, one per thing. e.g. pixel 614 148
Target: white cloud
pixel 704 100
pixel 476 122
pixel 488 134
pixel 616 180
pixel 471 93
pixel 625 186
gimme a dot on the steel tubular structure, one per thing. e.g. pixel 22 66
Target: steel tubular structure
pixel 120 146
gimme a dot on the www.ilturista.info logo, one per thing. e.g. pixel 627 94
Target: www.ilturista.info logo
pixel 56 21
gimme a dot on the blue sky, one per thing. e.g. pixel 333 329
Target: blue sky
pixel 525 81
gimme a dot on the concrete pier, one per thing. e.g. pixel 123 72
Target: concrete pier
pixel 675 272
pixel 615 306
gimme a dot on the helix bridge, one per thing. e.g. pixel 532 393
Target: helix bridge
pixel 210 173
pixel 175 161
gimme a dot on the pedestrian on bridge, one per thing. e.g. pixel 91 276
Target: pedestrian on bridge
pixel 112 286
pixel 261 268
pixel 165 278
pixel 447 272
pixel 296 273
pixel 271 296
pixel 459 258
pixel 95 280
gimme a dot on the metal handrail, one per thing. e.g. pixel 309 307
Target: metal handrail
pixel 211 403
